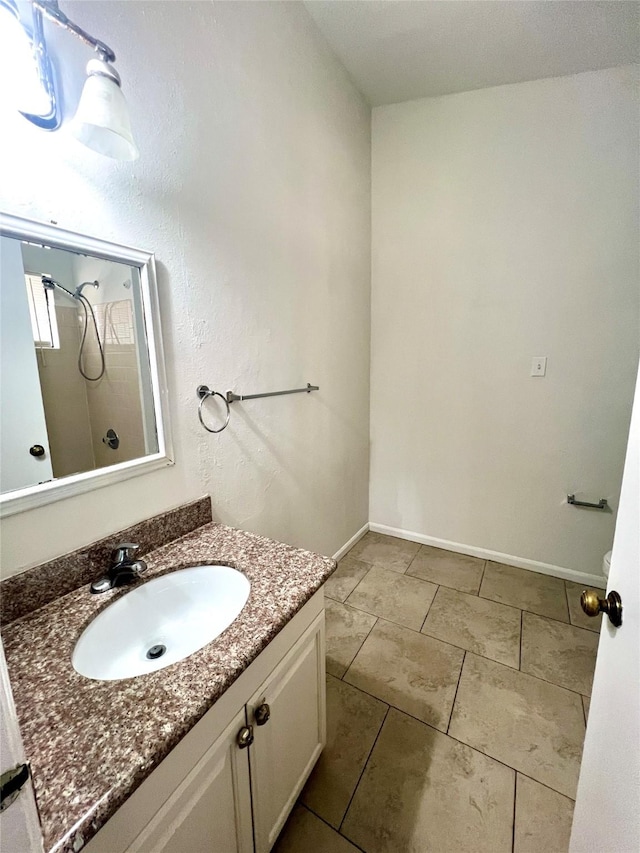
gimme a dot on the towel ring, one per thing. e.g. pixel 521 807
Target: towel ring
pixel 204 392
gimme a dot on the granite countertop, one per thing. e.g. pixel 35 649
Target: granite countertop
pixel 92 743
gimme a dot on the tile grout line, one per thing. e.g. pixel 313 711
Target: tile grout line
pixel 560 622
pixel 539 677
pixel 462 742
pixel 551 683
pixel 466 652
pixel 390 572
pixel 513 824
pixel 412 560
pixel 537 781
pixel 531 675
pixel 566 598
pixel 461 648
pixel 399 624
pixel 424 621
pixel 493 758
pixel 326 823
pixel 452 645
pixel 455 695
pixel 393 622
pixel 433 636
pixel 484 569
pixel 360 647
pixel 569 624
pixel 564 581
pixel 365 575
pixel 471 651
pixel 520 650
pixel 364 767
pixel 385 619
pixel 401 710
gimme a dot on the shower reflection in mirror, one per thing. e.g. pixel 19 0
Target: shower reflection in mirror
pixel 43 316
pixel 86 328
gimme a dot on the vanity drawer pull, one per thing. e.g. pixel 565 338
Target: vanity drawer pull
pixel 245 737
pixel 262 714
pixel 11 783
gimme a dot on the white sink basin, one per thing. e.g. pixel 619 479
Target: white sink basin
pixel 160 622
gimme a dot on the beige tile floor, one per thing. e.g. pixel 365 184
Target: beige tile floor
pixel 457 696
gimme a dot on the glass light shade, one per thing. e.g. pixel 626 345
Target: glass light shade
pixel 21 86
pixel 102 121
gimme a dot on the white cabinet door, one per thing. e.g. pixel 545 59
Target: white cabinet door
pixel 287 745
pixel 19 824
pixel 210 811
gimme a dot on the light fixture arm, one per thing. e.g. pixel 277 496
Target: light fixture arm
pixel 49 8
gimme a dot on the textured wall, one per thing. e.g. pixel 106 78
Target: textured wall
pixel 253 190
pixel 505 226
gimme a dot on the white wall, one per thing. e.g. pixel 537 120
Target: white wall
pixel 110 276
pixel 505 226
pixel 252 189
pixel 53 262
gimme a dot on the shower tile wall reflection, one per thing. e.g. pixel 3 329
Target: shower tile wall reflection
pixel 114 400
pixel 64 394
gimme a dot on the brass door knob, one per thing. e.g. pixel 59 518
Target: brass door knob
pixel 592 604
pixel 262 714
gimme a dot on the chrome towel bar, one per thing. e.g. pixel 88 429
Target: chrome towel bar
pixel 602 503
pixel 232 398
pixel 204 393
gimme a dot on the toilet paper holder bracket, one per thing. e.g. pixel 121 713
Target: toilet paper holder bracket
pixel 602 503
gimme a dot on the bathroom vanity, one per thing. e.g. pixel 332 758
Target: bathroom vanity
pixel 236 775
pixel 211 751
pixel 208 753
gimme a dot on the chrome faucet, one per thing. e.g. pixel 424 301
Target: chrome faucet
pixel 124 568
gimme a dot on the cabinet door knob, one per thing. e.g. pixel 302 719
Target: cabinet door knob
pixel 37 450
pixel 245 737
pixel 262 714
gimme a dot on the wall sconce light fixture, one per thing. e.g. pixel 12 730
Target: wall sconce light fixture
pixel 32 91
pixel 102 120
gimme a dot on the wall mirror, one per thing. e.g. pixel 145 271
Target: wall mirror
pixel 83 399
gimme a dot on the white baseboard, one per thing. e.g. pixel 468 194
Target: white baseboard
pixel 485 554
pixel 349 545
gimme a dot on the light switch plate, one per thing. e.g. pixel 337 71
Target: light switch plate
pixel 539 365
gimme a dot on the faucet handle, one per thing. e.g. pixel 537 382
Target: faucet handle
pixel 124 551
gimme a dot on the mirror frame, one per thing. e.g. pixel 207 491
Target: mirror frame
pixel 50 234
